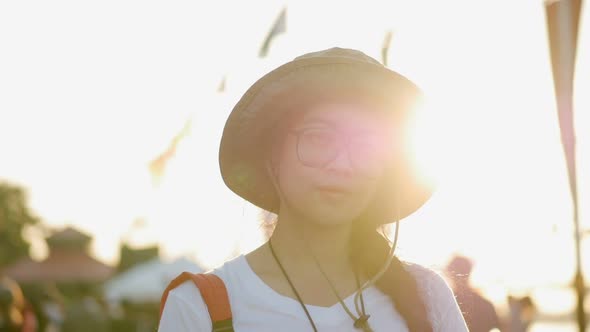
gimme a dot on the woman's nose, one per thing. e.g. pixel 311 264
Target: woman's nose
pixel 341 163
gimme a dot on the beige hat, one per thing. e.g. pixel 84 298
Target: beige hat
pixel 244 144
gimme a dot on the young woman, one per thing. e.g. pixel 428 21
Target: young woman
pixel 321 141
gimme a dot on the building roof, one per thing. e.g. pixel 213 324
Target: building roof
pixel 60 266
pixel 68 237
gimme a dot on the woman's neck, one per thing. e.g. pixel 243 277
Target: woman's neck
pixel 297 245
pixel 298 241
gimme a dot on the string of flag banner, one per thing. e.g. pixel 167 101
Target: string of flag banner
pixel 157 166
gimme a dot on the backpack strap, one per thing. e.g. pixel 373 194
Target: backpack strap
pixel 214 295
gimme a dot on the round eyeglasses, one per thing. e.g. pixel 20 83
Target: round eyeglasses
pixel 317 147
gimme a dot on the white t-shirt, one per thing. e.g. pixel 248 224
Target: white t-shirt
pixel 256 307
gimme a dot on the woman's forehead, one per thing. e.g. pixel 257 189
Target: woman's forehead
pixel 345 115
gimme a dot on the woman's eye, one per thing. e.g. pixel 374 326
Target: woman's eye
pixel 367 145
pixel 319 137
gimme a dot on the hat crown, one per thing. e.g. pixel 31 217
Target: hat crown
pixel 243 149
pixel 338 52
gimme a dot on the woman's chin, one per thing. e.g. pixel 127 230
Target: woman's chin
pixel 330 216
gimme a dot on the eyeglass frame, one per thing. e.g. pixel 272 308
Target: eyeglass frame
pixel 298 132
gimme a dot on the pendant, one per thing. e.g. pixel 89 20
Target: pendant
pixel 363 324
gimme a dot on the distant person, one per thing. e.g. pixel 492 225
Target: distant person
pixel 53 308
pixel 522 312
pixel 16 314
pixel 479 312
pixel 30 322
pixel 86 314
pixel 322 143
pixel 11 318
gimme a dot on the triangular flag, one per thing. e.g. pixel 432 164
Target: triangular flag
pixel 385 48
pixel 280 26
pixel 221 87
pixel 158 165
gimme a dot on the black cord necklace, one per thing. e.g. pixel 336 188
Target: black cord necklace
pixel 359 323
pixel 362 321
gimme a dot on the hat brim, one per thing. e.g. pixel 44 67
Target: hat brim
pixel 243 148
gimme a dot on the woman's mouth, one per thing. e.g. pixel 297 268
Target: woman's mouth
pixel 333 191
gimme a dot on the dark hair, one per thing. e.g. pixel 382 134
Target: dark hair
pixel 369 251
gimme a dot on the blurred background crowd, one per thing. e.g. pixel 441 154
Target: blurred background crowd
pixel 70 290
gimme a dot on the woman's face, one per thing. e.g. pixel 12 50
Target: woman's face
pixel 331 162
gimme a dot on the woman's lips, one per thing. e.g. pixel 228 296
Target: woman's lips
pixel 333 191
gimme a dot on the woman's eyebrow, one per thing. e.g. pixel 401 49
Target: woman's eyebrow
pixel 316 121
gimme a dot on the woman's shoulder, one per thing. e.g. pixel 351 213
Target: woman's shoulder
pixel 438 297
pixel 425 276
pixel 226 272
pixel 430 283
pixel 185 308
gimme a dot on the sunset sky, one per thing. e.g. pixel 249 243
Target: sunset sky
pixel 91 92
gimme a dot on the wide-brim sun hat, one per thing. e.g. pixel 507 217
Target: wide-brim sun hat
pixel 333 72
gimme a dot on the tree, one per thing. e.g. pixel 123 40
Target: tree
pixel 15 216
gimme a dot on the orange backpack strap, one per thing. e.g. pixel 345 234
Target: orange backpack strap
pixel 214 295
